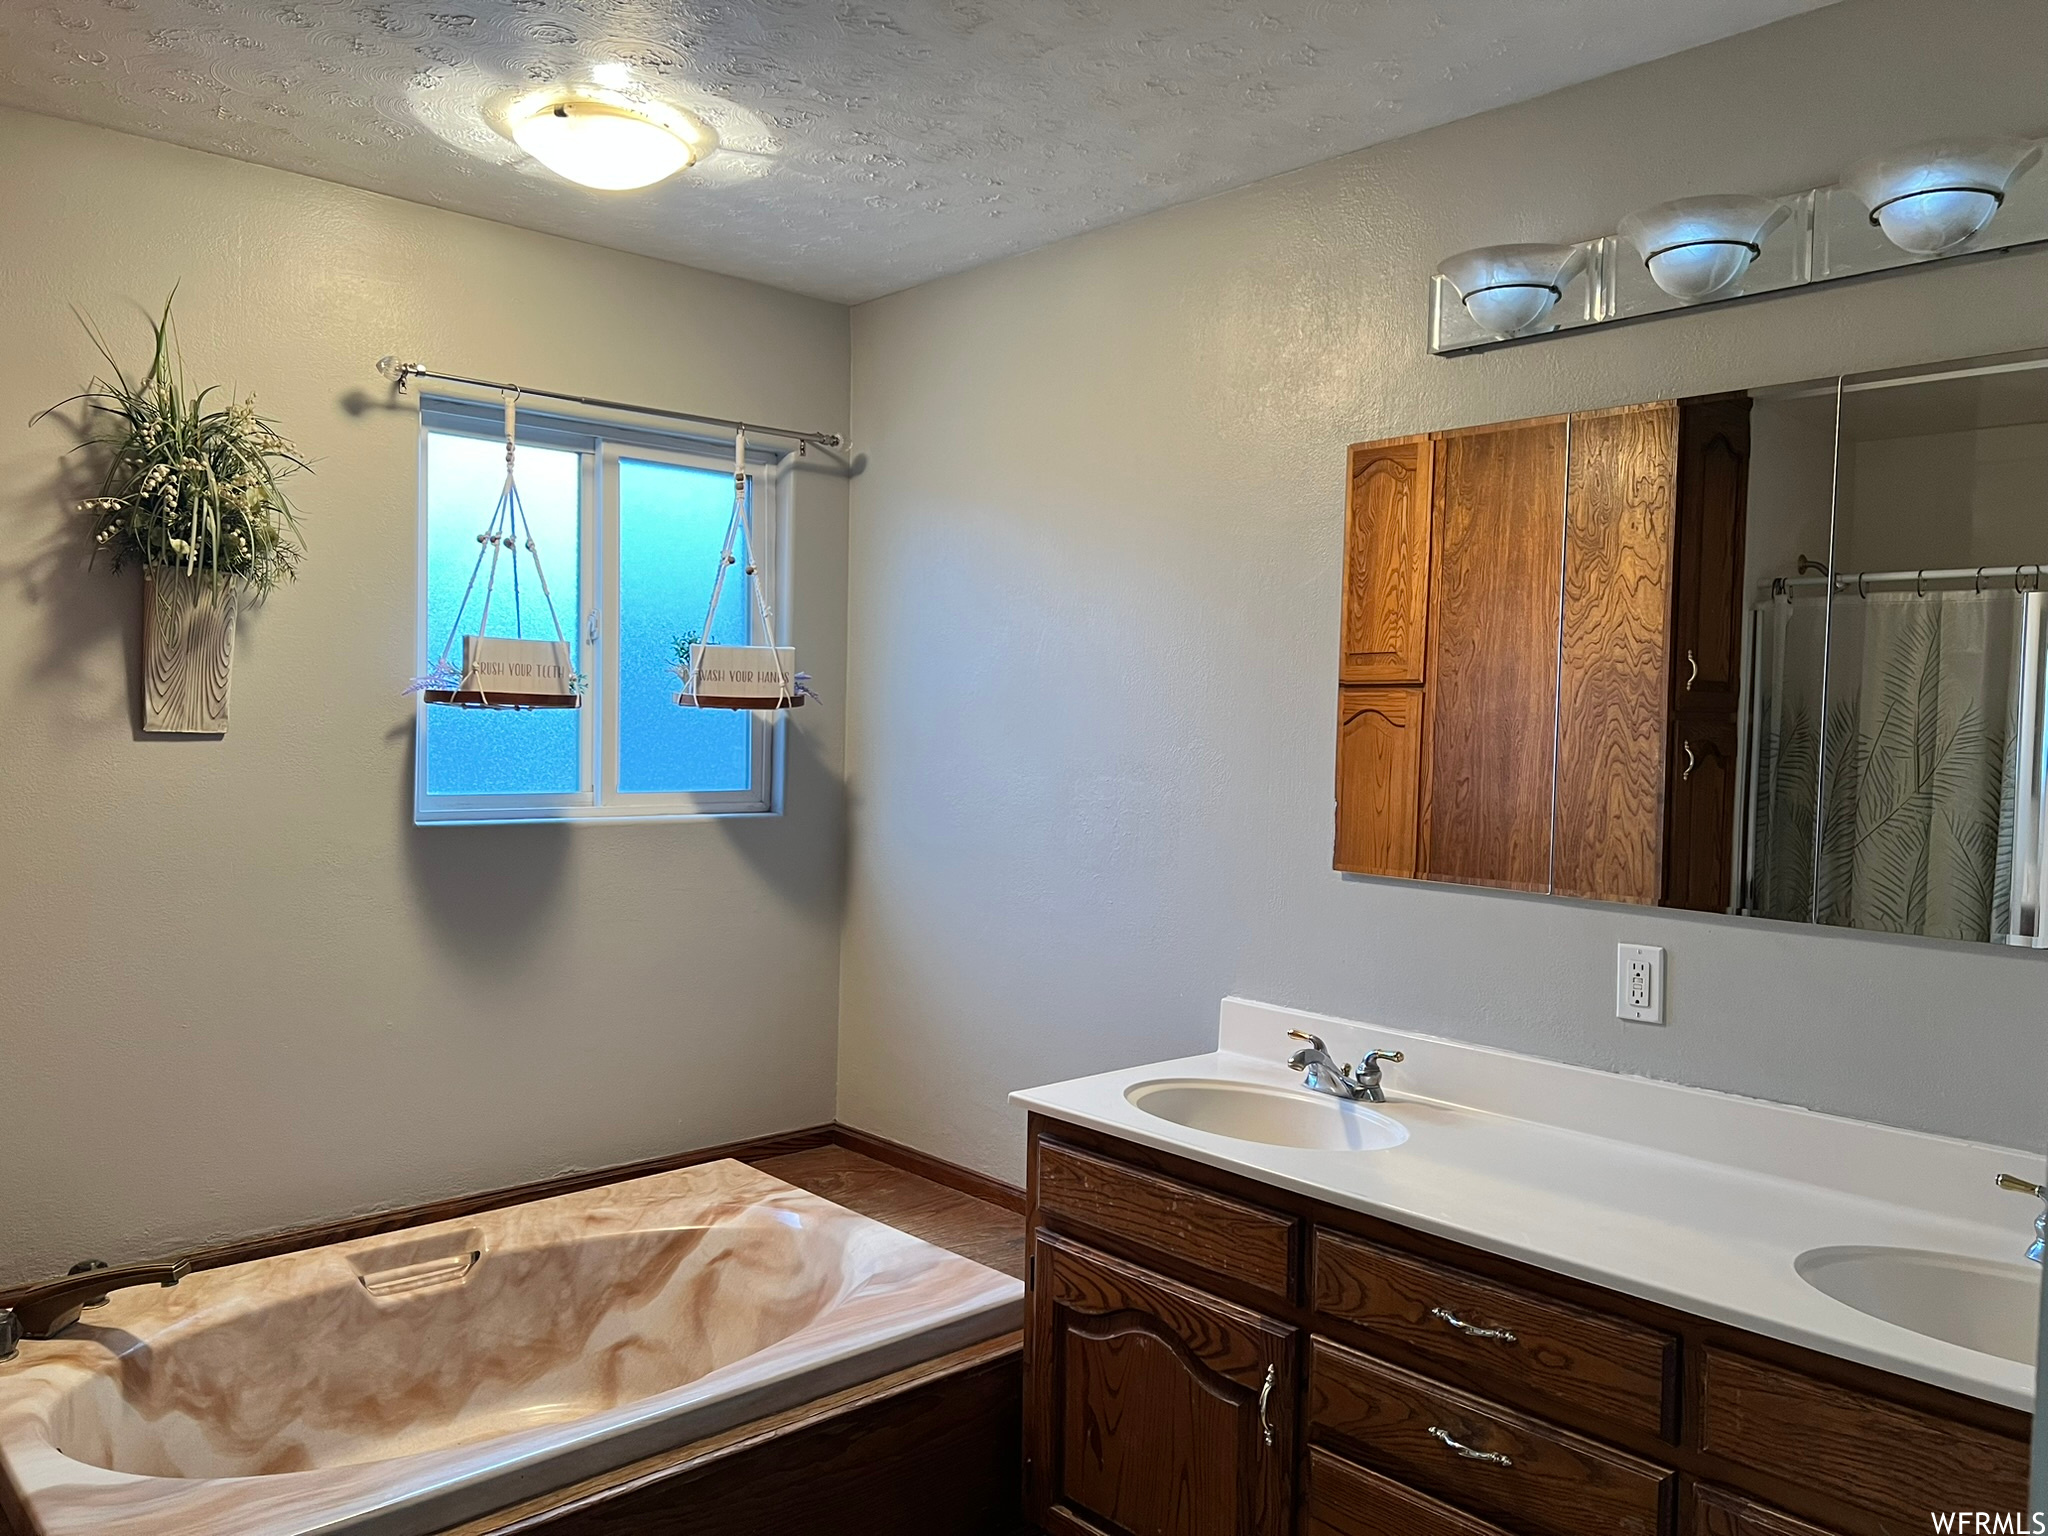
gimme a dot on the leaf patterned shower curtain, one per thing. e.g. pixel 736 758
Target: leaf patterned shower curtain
pixel 1916 830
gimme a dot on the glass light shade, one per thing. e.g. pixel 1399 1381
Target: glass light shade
pixel 1698 247
pixel 605 144
pixel 1509 288
pixel 1931 198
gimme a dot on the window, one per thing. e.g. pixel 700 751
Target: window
pixel 629 526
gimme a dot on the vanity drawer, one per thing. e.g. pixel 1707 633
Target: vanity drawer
pixel 1344 1500
pixel 1881 1456
pixel 1717 1512
pixel 1528 1343
pixel 1535 1477
pixel 1176 1221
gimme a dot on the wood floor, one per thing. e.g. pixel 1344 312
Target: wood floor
pixel 986 1233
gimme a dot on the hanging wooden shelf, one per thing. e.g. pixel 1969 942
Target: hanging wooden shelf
pixel 741 677
pixel 503 673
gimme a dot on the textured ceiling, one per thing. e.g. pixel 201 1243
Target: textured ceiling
pixel 869 145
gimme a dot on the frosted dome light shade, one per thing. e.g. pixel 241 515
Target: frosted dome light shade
pixel 1930 198
pixel 1698 247
pixel 1508 288
pixel 610 145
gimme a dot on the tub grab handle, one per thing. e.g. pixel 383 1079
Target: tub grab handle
pixel 418 1277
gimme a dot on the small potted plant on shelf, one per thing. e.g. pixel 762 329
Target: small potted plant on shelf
pixel 192 495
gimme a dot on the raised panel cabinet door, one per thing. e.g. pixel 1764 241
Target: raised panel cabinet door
pixel 1499 533
pixel 1717 1512
pixel 1699 847
pixel 1153 1410
pixel 1379 779
pixel 1386 562
pixel 1614 648
pixel 1713 516
pixel 1706 653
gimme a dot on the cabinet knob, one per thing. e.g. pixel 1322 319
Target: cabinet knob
pixel 1690 762
pixel 1265 1400
pixel 1692 674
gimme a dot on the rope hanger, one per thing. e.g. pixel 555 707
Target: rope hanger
pixel 740 527
pixel 505 534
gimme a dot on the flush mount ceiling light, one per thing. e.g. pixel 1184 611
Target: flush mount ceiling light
pixel 1932 197
pixel 603 140
pixel 1508 288
pixel 1698 247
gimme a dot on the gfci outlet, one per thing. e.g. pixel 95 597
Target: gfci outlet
pixel 1639 983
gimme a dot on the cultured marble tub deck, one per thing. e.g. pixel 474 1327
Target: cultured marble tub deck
pixel 403 1383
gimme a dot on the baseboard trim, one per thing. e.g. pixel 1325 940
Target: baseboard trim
pixel 753 1149
pixel 924 1165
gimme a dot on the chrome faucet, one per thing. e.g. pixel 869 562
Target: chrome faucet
pixel 2021 1186
pixel 1320 1072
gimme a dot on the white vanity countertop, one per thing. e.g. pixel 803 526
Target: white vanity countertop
pixel 1699 1201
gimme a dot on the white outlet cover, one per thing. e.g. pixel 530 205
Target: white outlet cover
pixel 1639 983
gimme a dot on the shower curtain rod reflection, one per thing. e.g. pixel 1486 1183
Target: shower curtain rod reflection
pixel 399 373
pixel 1984 578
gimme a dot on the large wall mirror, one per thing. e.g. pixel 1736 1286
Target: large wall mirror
pixel 1777 652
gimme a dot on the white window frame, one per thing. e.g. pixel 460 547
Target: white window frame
pixel 600 446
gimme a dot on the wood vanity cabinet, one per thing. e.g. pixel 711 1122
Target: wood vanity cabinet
pixel 1541 654
pixel 1210 1356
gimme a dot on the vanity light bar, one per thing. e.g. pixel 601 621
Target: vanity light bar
pixel 1891 212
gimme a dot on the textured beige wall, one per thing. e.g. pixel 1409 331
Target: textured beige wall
pixel 238 989
pixel 1095 586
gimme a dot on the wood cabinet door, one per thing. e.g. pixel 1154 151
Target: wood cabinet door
pixel 1699 855
pixel 1706 653
pixel 1491 705
pixel 1713 514
pixel 1386 562
pixel 1717 1512
pixel 1614 646
pixel 1153 1410
pixel 1379 779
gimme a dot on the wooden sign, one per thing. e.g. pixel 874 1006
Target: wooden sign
pixel 741 677
pixel 498 673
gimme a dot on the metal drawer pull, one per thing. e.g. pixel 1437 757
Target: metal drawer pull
pixel 1472 1330
pixel 1467 1452
pixel 1265 1397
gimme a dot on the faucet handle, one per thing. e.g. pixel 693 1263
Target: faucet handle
pixel 2020 1186
pixel 1316 1041
pixel 1372 1057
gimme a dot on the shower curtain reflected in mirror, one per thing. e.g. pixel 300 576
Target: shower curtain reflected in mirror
pixel 1921 777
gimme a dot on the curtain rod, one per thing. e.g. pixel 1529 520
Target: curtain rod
pixel 400 373
pixel 1978 575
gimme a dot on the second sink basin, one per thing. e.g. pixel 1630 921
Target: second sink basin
pixel 1980 1304
pixel 1275 1116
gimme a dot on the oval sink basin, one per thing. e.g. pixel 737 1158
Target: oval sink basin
pixel 1273 1116
pixel 1980 1304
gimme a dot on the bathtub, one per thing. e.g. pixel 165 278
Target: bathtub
pixel 400 1384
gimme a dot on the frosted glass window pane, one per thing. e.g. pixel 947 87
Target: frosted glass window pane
pixel 500 751
pixel 672 524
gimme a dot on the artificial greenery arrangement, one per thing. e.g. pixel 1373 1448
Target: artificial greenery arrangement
pixel 190 486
